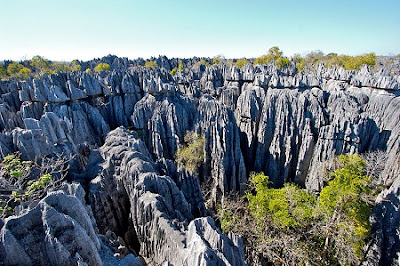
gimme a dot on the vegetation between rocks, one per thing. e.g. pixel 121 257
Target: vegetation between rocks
pixel 291 226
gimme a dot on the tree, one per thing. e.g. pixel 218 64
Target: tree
pixel 275 52
pixel 102 67
pixel 191 155
pixel 3 72
pixel 241 62
pixel 282 62
pixel 345 205
pixel 299 61
pixel 13 68
pixel 24 73
pixel 274 55
pixel 41 64
pixel 150 64
pixel 292 226
pixel 61 67
pixel 289 206
pixel 75 66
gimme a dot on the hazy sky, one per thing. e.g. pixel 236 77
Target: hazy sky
pixel 85 29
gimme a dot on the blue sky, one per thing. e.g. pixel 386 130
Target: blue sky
pixel 66 30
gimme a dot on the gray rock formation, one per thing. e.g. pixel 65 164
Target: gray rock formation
pixel 59 230
pixel 285 123
pixel 129 197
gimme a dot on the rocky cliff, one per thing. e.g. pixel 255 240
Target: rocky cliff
pixel 285 123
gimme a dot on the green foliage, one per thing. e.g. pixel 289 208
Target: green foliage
pixel 287 207
pixel 332 59
pixel 180 65
pixel 102 67
pixel 40 62
pixel 13 68
pixel 150 64
pixel 29 180
pixel 75 66
pixel 24 73
pixel 3 72
pixel 41 183
pixel 227 218
pixel 274 55
pixel 218 59
pixel 61 67
pixel 330 229
pixel 299 61
pixel 173 71
pixel 264 60
pixel 42 65
pixel 343 201
pixel 88 70
pixel 282 62
pixel 191 156
pixel 202 62
pixel 241 62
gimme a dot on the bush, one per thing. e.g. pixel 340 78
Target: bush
pixel 344 201
pixel 102 67
pixel 24 73
pixel 3 72
pixel 274 55
pixel 29 181
pixel 202 62
pixel 75 66
pixel 241 62
pixel 180 65
pixel 150 64
pixel 191 155
pixel 282 62
pixel 291 226
pixel 264 60
pixel 88 70
pixel 173 71
pixel 288 207
pixel 13 68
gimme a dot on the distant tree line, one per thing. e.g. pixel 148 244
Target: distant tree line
pixel 39 66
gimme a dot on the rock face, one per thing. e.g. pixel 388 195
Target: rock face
pixel 285 123
pixel 150 211
pixel 58 231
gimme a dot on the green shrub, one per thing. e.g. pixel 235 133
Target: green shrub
pixel 264 60
pixel 241 62
pixel 343 201
pixel 274 55
pixel 3 72
pixel 102 67
pixel 300 62
pixel 13 68
pixel 282 62
pixel 150 64
pixel 287 207
pixel 29 180
pixel 173 71
pixel 75 66
pixel 191 155
pixel 180 65
pixel 302 228
pixel 202 62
